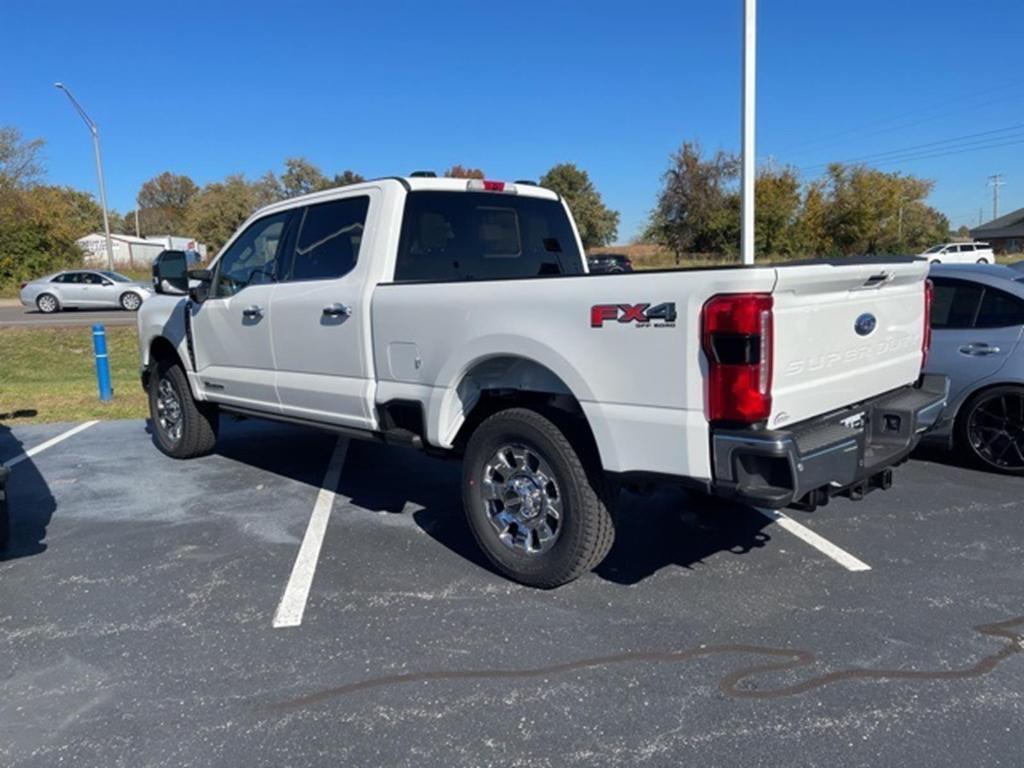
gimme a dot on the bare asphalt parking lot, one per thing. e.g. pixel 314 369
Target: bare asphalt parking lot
pixel 16 316
pixel 138 609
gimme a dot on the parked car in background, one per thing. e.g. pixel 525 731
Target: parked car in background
pixel 605 263
pixel 977 323
pixel 84 289
pixel 960 253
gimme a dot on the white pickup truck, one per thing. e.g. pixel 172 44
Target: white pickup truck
pixel 458 317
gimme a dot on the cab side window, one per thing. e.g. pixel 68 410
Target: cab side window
pixel 328 241
pixel 999 310
pixel 252 258
pixel 90 278
pixel 955 304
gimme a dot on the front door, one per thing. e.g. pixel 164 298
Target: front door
pixel 321 314
pixel 231 329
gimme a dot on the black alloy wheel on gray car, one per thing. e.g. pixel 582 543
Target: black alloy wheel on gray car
pixel 537 502
pixel 130 301
pixel 990 430
pixel 47 303
pixel 182 427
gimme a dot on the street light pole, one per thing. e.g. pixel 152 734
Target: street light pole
pixel 749 161
pixel 99 170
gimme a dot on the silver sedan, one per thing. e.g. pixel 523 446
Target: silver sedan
pixel 86 289
pixel 977 328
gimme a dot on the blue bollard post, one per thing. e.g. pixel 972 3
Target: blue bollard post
pixel 99 345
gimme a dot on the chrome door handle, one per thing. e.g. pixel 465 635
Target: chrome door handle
pixel 978 349
pixel 337 310
pixel 252 311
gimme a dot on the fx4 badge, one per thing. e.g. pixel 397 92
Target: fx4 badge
pixel 661 315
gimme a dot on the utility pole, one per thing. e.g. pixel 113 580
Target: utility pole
pixel 99 170
pixel 749 159
pixel 979 215
pixel 995 181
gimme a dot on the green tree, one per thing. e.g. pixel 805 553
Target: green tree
pixel 596 222
pixel 462 172
pixel 301 177
pixel 163 202
pixel 346 177
pixel 697 210
pixel 776 212
pixel 20 163
pixel 871 211
pixel 220 208
pixel 38 229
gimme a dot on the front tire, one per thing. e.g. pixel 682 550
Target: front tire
pixel 182 427
pixel 990 430
pixel 47 303
pixel 130 301
pixel 538 507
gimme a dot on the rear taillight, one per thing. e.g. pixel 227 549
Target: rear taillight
pixel 737 338
pixel 926 337
pixel 23 286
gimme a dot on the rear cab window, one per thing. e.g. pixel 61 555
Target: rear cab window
pixel 456 236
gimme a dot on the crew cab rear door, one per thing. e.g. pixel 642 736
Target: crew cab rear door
pixel 320 313
pixel 843 334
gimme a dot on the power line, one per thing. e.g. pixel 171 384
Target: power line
pixel 919 116
pixel 970 147
pixel 915 147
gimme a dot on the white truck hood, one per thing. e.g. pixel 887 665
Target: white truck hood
pixel 844 334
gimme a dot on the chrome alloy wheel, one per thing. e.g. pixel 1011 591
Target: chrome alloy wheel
pixel 996 431
pixel 168 410
pixel 46 303
pixel 131 302
pixel 522 499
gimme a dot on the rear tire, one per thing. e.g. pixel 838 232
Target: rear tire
pixel 182 427
pixel 130 301
pixel 538 507
pixel 47 303
pixel 989 430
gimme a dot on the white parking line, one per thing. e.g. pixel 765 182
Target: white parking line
pixel 296 592
pixel 823 545
pixel 48 444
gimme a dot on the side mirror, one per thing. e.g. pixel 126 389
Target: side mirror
pixel 170 273
pixel 199 281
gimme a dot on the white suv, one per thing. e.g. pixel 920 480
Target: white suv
pixel 960 253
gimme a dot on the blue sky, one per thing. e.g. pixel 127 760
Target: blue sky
pixel 384 87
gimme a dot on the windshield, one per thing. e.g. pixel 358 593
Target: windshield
pixel 935 249
pixel 116 277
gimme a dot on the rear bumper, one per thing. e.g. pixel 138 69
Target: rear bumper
pixel 848 452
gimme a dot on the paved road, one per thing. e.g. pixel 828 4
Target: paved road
pixel 19 316
pixel 137 607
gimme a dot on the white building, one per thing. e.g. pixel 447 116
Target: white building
pixel 134 252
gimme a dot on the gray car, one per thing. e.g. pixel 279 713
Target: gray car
pixel 85 289
pixel 977 324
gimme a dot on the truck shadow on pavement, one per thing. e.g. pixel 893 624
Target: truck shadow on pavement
pixel 663 529
pixel 30 504
pixel 669 527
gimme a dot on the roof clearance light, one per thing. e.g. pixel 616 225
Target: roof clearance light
pixel 486 185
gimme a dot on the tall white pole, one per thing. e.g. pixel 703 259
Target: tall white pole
pixel 749 159
pixel 99 169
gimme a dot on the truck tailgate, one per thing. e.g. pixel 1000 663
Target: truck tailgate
pixel 844 334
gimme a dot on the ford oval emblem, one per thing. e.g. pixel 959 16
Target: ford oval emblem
pixel 865 324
